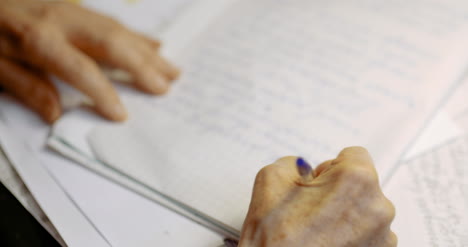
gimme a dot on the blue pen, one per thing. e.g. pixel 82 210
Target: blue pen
pixel 305 170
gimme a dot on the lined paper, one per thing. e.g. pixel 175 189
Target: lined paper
pixel 430 193
pixel 274 78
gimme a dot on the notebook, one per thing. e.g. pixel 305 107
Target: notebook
pixel 269 78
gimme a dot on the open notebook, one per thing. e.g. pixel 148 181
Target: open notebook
pixel 269 78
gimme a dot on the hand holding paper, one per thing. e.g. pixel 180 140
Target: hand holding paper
pixel 42 38
pixel 342 206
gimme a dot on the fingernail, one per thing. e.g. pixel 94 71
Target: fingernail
pixel 175 72
pixel 52 113
pixel 116 112
pixel 120 112
pixel 47 104
pixel 168 69
pixel 156 84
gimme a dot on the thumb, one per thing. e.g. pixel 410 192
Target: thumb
pixel 274 182
pixel 272 186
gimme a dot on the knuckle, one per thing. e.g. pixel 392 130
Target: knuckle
pixel 108 36
pixel 391 210
pixel 112 28
pixel 357 155
pixel 42 45
pixel 58 7
pixel 268 175
pixel 392 240
pixel 47 11
pixel 359 176
pixel 266 172
pixel 355 150
pixel 383 212
pixel 33 35
pixel 286 160
pixel 113 40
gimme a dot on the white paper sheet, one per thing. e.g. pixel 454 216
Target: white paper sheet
pixel 439 131
pixel 11 180
pixel 289 77
pixel 457 106
pixel 430 194
pixel 120 216
pixel 125 218
pixel 20 138
pixel 146 16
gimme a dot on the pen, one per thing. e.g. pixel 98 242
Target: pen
pixel 305 170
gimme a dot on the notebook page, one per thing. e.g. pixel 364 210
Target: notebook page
pixel 440 130
pixel 457 106
pixel 273 78
pixel 143 15
pixel 430 194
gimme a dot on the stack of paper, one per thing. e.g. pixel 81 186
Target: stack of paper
pixel 265 79
pixel 323 78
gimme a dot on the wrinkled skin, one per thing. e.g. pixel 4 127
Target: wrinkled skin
pixel 342 206
pixel 43 38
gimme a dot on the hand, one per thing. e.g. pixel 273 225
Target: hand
pixel 342 206
pixel 42 38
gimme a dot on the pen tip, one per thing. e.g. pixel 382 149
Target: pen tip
pixel 303 167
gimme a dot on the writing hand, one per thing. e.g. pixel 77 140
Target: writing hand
pixel 342 206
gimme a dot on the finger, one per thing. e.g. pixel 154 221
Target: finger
pixel 122 52
pixel 323 167
pixel 276 175
pixel 151 59
pixel 353 168
pixel 150 48
pixel 357 157
pixel 385 239
pixel 109 42
pixel 170 71
pixel 273 182
pixel 283 172
pixel 54 55
pixel 31 88
pixel 154 44
pixel 392 240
